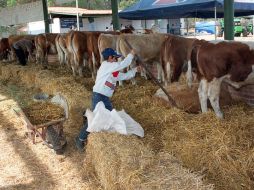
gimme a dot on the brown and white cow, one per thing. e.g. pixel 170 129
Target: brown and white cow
pixel 146 46
pixel 214 63
pixel 106 41
pixel 84 48
pixel 77 46
pixel 175 57
pixel 93 52
pixel 45 44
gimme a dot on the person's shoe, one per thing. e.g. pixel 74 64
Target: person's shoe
pixel 79 144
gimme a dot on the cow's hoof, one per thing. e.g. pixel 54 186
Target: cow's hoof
pixel 220 115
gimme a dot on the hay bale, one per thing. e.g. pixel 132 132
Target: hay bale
pixel 6 73
pixel 28 75
pixel 223 149
pixel 187 98
pixel 124 162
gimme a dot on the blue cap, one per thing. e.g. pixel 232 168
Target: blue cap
pixel 110 52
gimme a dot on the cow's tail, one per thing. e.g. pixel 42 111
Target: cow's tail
pixel 58 48
pixel 162 61
pixel 94 63
pixel 36 48
pixel 118 48
pixel 99 47
pixel 194 59
pixel 75 55
pixel 45 48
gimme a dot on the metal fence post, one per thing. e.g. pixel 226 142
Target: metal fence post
pixel 115 17
pixel 45 14
pixel 228 20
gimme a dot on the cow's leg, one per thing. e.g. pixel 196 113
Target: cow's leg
pixel 45 60
pixel 163 76
pixel 168 73
pixel 62 58
pixel 94 72
pixel 69 60
pixel 189 74
pixel 202 92
pixel 80 71
pixel 91 68
pixel 72 64
pixel 37 56
pixel 73 70
pixel 80 66
pixel 159 72
pixel 214 95
pixel 13 55
pixel 143 73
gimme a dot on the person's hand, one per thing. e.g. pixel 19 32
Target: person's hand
pixel 139 69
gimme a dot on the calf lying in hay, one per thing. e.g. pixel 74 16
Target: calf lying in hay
pixel 245 94
pixel 187 99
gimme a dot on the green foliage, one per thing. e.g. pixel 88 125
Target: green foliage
pixel 3 3
pixel 11 3
pixel 126 3
pixel 99 4
pixel 51 2
pixel 88 4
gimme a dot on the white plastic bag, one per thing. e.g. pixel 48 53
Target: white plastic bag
pixel 132 126
pixel 102 119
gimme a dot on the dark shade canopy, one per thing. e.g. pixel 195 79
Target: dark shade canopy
pixel 164 9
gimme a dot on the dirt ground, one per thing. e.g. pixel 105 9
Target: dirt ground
pixel 24 165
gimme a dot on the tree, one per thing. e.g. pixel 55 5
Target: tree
pixel 126 3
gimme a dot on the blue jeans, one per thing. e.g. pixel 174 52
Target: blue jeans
pixel 95 99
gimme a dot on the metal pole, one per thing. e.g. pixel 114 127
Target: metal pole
pixel 187 22
pixel 195 26
pixel 77 15
pixel 45 15
pixel 115 17
pixel 229 20
pixel 215 23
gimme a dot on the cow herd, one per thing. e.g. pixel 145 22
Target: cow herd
pixel 211 62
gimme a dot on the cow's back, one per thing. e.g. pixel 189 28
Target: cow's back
pixel 107 41
pixel 217 60
pixel 147 46
pixel 14 38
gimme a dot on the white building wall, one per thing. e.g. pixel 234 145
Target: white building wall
pixel 102 22
pixel 85 24
pixel 36 27
pixel 163 25
pixel 149 23
pixel 125 22
pixel 55 26
pixel 137 24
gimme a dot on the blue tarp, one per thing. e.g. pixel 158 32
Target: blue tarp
pixel 207 27
pixel 163 9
